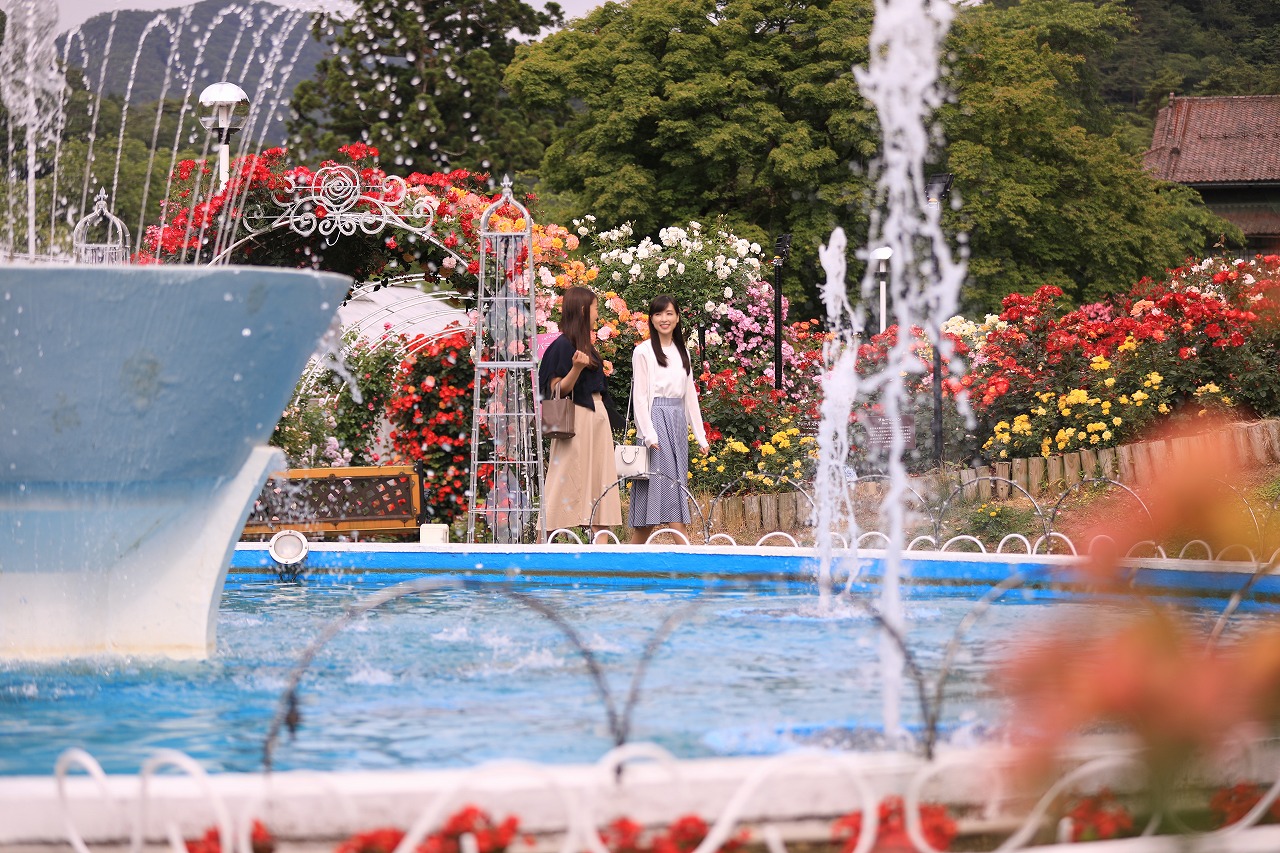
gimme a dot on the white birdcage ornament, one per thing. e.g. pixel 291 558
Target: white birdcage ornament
pixel 114 248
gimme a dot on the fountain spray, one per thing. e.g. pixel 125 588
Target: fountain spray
pixel 903 82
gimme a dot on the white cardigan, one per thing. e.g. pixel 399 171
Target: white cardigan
pixel 649 381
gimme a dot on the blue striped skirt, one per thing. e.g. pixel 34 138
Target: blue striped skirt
pixel 661 499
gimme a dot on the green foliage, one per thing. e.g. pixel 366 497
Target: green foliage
pixel 1046 201
pixel 990 522
pixel 306 433
pixel 1269 492
pixel 696 109
pixel 1190 47
pixel 370 370
pixel 747 109
pixel 91 155
pixel 422 80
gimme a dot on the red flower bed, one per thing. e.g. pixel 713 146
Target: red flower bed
pixel 891 834
pixel 1047 378
pixel 211 842
pixel 430 411
pixel 490 836
pixel 683 835
pixel 1099 817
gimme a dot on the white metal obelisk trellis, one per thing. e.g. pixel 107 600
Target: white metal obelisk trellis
pixel 506 440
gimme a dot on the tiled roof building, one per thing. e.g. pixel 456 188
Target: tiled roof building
pixel 1228 148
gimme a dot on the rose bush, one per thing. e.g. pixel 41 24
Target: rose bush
pixel 430 413
pixel 701 270
pixel 1047 379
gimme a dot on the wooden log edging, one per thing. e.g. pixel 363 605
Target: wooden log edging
pixel 1247 443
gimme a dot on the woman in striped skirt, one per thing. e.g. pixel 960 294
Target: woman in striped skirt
pixel 666 404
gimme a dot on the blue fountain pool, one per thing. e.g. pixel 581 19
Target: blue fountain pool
pixel 456 676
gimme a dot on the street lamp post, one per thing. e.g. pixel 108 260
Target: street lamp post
pixel 223 109
pixel 781 249
pixel 882 255
pixel 937 189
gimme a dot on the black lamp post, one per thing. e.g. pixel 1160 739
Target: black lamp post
pixel 936 190
pixel 781 249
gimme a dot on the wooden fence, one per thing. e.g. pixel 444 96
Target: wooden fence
pixel 1248 444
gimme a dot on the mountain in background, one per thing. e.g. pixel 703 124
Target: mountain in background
pixel 263 48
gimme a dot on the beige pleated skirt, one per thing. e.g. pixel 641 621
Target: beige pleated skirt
pixel 580 470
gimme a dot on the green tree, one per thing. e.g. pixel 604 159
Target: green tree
pixel 678 110
pixel 1192 47
pixel 91 154
pixel 1046 201
pixel 422 80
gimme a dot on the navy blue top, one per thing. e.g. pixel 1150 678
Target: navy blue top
pixel 557 361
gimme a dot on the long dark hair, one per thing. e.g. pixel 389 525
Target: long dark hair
pixel 659 304
pixel 575 321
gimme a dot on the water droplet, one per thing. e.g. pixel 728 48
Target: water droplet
pixel 236 377
pixel 246 332
pixel 227 297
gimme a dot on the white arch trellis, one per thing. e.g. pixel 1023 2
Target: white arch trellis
pixel 338 202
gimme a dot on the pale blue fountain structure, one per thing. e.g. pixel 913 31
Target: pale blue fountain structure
pixel 135 406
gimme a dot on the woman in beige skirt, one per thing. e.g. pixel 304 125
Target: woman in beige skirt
pixel 581 470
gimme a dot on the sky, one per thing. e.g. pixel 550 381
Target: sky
pixel 74 12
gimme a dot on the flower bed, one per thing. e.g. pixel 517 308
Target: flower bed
pixel 1047 379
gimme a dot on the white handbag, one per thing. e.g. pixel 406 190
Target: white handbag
pixel 631 460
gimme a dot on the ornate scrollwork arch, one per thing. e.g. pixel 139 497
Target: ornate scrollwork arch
pixel 337 201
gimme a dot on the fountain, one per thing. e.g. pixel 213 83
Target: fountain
pixel 135 404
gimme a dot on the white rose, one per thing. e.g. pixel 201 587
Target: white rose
pixel 755 248
pixel 617 276
pixel 713 338
pixel 711 267
pixel 584 231
pixel 710 307
pixel 663 269
pixel 728 293
pixel 680 269
pixel 635 270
